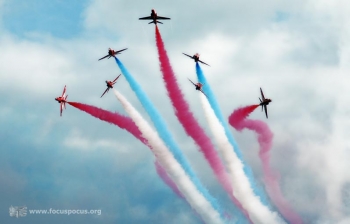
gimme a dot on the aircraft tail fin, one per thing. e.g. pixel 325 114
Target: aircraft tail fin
pixel 155 22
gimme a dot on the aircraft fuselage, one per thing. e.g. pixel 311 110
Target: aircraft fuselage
pixel 196 57
pixel 199 86
pixel 154 16
pixel 109 84
pixel 60 99
pixel 265 102
pixel 111 52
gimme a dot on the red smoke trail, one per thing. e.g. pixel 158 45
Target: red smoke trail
pixel 126 123
pixel 121 121
pixel 238 120
pixel 189 123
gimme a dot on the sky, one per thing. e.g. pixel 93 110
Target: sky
pixel 298 53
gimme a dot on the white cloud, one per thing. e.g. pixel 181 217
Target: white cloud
pixel 76 140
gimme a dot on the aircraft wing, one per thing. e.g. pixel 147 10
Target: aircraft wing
pixel 64 104
pixel 117 52
pixel 188 55
pixel 161 17
pixel 145 18
pixel 262 94
pixel 116 78
pixel 265 107
pixel 203 62
pixel 64 91
pixel 61 108
pixel 204 93
pixel 192 82
pixel 104 92
pixel 103 57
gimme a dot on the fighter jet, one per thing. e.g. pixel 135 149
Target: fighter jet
pixel 112 53
pixel 264 102
pixel 62 100
pixel 154 17
pixel 196 58
pixel 110 85
pixel 198 86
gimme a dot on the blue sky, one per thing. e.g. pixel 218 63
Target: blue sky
pixel 56 18
pixel 298 53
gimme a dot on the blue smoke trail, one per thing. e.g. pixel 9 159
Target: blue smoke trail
pixel 213 103
pixel 164 133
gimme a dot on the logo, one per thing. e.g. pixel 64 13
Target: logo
pixel 18 211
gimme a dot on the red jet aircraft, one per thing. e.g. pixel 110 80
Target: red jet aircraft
pixel 112 53
pixel 62 100
pixel 198 86
pixel 196 58
pixel 153 17
pixel 110 85
pixel 264 102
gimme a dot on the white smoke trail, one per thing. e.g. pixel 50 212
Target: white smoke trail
pixel 242 190
pixel 170 164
